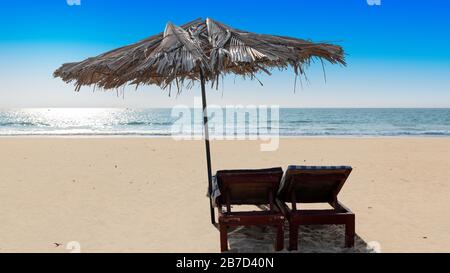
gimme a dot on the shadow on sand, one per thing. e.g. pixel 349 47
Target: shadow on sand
pixel 315 239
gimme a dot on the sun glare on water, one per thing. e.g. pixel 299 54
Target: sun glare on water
pixel 85 121
pixel 77 120
pixel 72 115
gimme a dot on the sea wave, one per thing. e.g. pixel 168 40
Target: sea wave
pixel 147 123
pixel 212 135
pixel 23 123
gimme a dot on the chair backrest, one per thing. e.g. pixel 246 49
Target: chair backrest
pixel 313 184
pixel 248 187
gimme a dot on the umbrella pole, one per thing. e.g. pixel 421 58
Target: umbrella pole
pixel 208 151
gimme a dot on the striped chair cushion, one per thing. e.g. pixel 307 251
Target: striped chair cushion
pixel 300 167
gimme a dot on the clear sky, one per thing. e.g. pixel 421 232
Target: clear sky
pixel 398 53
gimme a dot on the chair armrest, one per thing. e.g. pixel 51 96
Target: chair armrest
pixel 341 206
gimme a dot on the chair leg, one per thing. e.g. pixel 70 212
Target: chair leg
pixel 279 242
pixel 350 233
pixel 223 238
pixel 293 236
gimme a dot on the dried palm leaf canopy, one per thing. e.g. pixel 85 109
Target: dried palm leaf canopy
pixel 181 55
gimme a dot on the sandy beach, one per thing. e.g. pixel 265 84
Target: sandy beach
pixel 148 194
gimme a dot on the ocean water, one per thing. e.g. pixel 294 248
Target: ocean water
pixel 161 122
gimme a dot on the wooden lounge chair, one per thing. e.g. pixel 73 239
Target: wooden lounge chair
pixel 249 187
pixel 310 184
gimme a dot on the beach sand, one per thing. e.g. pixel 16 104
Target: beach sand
pixel 148 194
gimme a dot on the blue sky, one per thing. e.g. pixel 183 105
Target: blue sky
pixel 398 53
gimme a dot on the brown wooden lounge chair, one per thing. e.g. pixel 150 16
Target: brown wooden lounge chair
pixel 249 187
pixel 309 184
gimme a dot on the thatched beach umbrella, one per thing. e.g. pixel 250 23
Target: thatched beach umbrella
pixel 201 50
